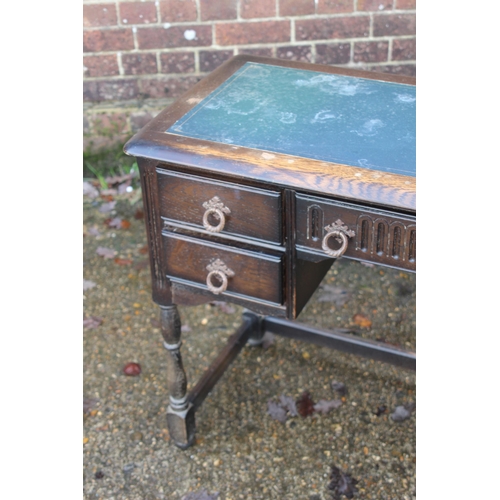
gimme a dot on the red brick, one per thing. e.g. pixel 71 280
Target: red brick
pixel 101 14
pixel 177 62
pixel 257 8
pixel 159 88
pixel 178 11
pixel 109 90
pixel 139 64
pixel 401 69
pixel 335 6
pixel 297 53
pixel 394 25
pixel 404 50
pixel 296 7
pixel 333 53
pixel 137 12
pixel 252 32
pixel 108 40
pixel 337 27
pixel 100 66
pixel 263 52
pixel 174 36
pixel 371 51
pixel 406 4
pixel 211 59
pixel 216 10
pixel 374 5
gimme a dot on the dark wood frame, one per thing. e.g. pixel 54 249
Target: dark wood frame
pixel 343 181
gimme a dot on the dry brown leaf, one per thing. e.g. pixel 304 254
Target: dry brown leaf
pixel 361 320
pixel 107 253
pixel 122 262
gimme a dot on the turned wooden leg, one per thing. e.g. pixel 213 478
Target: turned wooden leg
pixel 180 413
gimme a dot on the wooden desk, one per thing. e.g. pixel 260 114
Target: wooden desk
pixel 254 182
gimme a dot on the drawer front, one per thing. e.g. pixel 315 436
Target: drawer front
pixel 249 274
pixel 246 212
pixel 379 236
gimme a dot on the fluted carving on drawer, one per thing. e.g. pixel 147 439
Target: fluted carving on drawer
pixel 395 241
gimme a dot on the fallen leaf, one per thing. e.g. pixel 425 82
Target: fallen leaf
pixel 339 296
pixel 144 249
pixel 132 369
pixel 276 411
pixel 107 253
pixel 92 322
pixel 339 387
pixel 93 231
pixel 125 224
pixel 324 406
pixel 87 285
pixel 305 405
pixel 289 404
pixel 139 214
pixel 341 484
pixel 107 207
pixel 361 320
pixel 402 412
pixel 115 222
pixel 200 495
pixel 123 262
pixel 89 190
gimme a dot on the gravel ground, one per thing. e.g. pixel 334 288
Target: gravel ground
pixel 241 452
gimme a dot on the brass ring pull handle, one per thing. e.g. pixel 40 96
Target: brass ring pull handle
pixel 221 271
pixel 217 208
pixel 341 232
pixel 217 289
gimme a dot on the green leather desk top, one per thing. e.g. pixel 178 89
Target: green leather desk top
pixel 342 119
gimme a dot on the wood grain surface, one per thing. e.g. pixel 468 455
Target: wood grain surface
pixel 254 213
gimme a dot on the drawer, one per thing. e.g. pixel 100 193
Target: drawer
pixel 226 209
pixel 248 274
pixel 379 236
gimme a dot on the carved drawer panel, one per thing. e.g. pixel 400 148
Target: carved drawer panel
pixel 226 209
pixel 377 236
pixel 223 270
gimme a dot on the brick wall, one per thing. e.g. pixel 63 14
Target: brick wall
pixel 139 56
